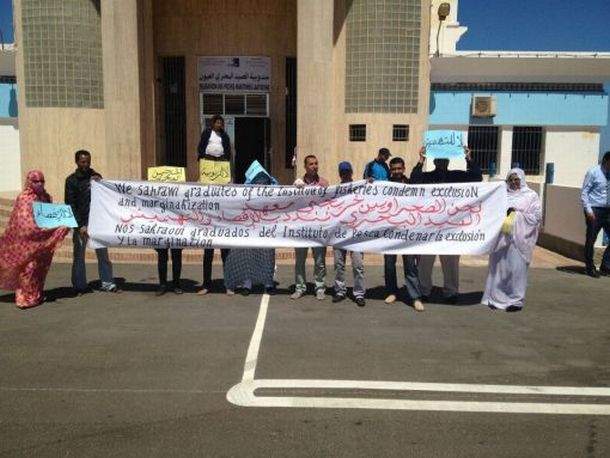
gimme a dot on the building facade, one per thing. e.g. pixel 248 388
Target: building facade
pixel 134 81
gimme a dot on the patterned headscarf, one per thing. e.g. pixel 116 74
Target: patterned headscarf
pixel 34 182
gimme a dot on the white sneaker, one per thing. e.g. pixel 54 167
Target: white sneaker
pixel 297 295
pixel 390 299
pixel 418 305
pixel 320 295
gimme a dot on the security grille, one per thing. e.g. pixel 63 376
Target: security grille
pixel 400 133
pixel 357 132
pixel 234 104
pixel 483 141
pixel 256 104
pixel 527 148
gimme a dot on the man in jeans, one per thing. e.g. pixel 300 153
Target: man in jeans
pixel 78 196
pixel 311 178
pixel 409 262
pixel 345 173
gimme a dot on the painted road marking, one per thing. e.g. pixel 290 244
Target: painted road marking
pixel 243 394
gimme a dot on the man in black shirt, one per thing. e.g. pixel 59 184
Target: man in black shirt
pixel 78 196
pixel 449 263
pixel 409 262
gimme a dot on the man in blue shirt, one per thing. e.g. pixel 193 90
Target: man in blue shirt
pixel 596 202
pixel 378 168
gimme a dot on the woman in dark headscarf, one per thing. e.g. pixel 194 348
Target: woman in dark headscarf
pixel 27 250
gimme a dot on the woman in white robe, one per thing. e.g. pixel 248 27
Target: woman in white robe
pixel 509 262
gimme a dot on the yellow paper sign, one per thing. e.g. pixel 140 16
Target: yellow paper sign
pixel 507 224
pixel 214 172
pixel 166 173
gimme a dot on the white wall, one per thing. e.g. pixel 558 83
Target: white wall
pixel 573 152
pixel 10 172
pixel 563 214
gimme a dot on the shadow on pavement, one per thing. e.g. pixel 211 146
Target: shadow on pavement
pixel 580 269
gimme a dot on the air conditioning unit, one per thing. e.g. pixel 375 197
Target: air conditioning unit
pixel 483 106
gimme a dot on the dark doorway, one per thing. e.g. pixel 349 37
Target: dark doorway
pixel 252 141
pixel 173 132
pixel 291 109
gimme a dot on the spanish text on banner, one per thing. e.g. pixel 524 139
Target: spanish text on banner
pixel 378 217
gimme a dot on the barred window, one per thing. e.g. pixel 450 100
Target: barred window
pixel 400 133
pixel 483 141
pixel 527 149
pixel 357 132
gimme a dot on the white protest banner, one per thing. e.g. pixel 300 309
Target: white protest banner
pixel 383 217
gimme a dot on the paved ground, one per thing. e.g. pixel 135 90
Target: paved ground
pixel 136 375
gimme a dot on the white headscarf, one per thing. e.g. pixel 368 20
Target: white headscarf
pixel 528 215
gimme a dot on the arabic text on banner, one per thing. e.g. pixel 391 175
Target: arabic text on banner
pixel 378 217
pixel 214 172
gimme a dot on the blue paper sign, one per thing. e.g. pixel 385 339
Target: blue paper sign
pixel 444 144
pixel 50 216
pixel 254 169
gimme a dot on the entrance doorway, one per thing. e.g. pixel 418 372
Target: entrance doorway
pixel 173 112
pixel 252 142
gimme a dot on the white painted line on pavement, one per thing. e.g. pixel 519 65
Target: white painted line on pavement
pixel 255 342
pixel 437 387
pixel 107 390
pixel 243 394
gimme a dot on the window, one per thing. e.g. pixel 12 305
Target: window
pixel 483 141
pixel 527 148
pixel 400 133
pixel 357 132
pixel 256 104
pixel 382 56
pixel 212 103
pixel 233 104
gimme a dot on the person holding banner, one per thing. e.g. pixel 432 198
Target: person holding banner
pixel 449 263
pixel 311 178
pixel 245 267
pixel 78 196
pixel 510 260
pixel 27 250
pixel 168 174
pixel 214 145
pixel 409 261
pixel 345 173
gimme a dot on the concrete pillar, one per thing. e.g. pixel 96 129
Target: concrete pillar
pixel 122 106
pixel 315 82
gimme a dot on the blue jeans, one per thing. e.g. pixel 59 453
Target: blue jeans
pixel 79 269
pixel 409 265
